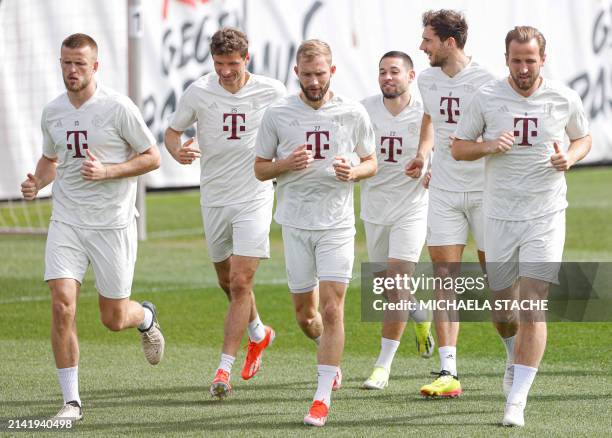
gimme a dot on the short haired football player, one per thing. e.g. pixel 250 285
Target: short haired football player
pixel 306 142
pixel 523 120
pixel 95 144
pixel 394 206
pixel 228 105
pixel 455 189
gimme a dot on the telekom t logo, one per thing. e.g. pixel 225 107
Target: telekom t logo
pixel 235 126
pixel 318 143
pixel 449 112
pixel 77 145
pixel 392 151
pixel 523 131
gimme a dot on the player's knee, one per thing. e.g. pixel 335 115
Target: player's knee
pixel 63 313
pixel 305 319
pixel 443 270
pixel 331 313
pixel 224 284
pixel 114 321
pixel 240 286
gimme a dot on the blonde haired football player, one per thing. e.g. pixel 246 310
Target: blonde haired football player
pixel 305 142
pixel 95 143
pixel 523 120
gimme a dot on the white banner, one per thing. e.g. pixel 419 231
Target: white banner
pixel 176 52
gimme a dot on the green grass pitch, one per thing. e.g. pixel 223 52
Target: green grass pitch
pixel 123 395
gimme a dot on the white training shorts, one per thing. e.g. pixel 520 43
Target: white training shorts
pixel 531 248
pixel 402 241
pixel 318 255
pixel 451 215
pixel 242 229
pixel 111 252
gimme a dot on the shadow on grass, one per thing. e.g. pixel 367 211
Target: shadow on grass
pixel 242 422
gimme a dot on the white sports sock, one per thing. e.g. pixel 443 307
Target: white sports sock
pixel 148 319
pixel 509 343
pixel 69 382
pixel 317 340
pixel 388 347
pixel 325 379
pixel 257 331
pixel 448 359
pixel 226 362
pixel 523 378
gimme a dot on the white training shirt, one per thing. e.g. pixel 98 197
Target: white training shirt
pixel 227 126
pixel 445 99
pixel 391 196
pixel 110 126
pixel 313 198
pixel 521 184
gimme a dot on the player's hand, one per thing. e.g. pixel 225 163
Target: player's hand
pixel 299 159
pixel 414 167
pixel 426 179
pixel 501 144
pixel 92 169
pixel 344 170
pixel 187 154
pixel 560 160
pixel 29 188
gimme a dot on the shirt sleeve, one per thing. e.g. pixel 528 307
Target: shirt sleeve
pixel 267 137
pixel 132 127
pixel 366 139
pixel 578 123
pixel 185 114
pixel 421 86
pixel 48 144
pixel 472 123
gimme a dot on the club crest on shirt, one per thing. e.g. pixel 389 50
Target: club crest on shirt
pixel 548 109
pixel 97 121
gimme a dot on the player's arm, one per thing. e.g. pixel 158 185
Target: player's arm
pixel 182 153
pixel 576 151
pixel 414 168
pixel 92 168
pixel 43 176
pixel 366 168
pixel 470 150
pixel 299 159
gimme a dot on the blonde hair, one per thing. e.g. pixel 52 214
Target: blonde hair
pixel 312 48
pixel 524 34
